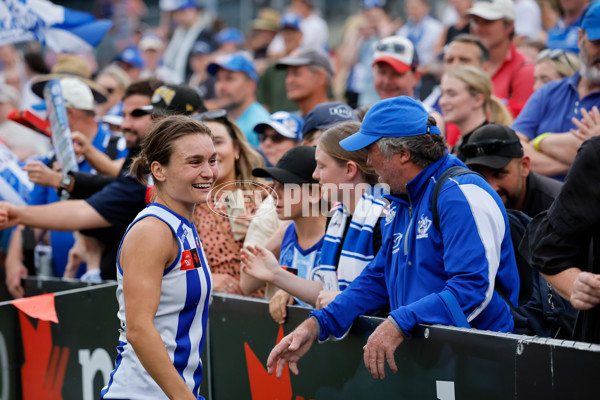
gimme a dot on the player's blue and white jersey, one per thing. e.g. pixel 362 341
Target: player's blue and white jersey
pixel 180 319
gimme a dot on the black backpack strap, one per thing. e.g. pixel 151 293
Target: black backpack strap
pixel 437 189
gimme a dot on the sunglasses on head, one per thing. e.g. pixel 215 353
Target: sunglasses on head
pixel 210 115
pixel 275 137
pixel 554 54
pixel 391 48
pixel 495 147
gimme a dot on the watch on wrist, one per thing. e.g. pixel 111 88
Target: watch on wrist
pixel 65 182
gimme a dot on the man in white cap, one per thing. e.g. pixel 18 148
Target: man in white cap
pixel 512 73
pixel 152 48
pixel 395 67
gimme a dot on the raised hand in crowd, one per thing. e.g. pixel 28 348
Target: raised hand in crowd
pixel 278 305
pixel 40 174
pixel 589 124
pixel 260 263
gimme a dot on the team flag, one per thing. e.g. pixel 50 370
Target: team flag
pixel 59 28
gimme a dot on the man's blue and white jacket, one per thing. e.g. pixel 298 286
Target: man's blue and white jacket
pixel 431 277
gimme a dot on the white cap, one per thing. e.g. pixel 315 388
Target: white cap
pixel 150 42
pixel 494 10
pixel 77 94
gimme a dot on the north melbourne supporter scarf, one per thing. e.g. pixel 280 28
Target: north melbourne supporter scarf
pixel 350 254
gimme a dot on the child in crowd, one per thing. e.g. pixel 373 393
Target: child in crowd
pixel 298 199
pixel 353 234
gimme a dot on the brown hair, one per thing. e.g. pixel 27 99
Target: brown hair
pixel 330 143
pixel 157 144
pixel 249 158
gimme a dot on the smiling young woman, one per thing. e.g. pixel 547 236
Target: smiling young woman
pixel 164 282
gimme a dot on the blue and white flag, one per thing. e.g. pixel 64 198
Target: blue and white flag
pixel 61 29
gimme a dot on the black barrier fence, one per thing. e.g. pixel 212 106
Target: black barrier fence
pixel 72 359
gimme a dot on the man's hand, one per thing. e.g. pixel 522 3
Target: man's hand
pixel 585 293
pixel 81 144
pixel 9 215
pixel 325 297
pixel 293 347
pixel 380 346
pixel 15 271
pixel 588 126
pixel 41 174
pixel 278 305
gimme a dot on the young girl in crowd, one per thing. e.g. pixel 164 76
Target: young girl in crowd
pixel 467 100
pixel 222 220
pixel 353 235
pixel 164 282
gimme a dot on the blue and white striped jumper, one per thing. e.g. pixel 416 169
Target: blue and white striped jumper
pixel 180 319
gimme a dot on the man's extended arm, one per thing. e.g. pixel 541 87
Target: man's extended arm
pixel 67 215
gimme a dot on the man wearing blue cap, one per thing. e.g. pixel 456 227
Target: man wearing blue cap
pixel 450 274
pixel 235 88
pixel 553 122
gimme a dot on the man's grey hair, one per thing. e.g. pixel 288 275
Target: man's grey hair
pixel 424 149
pixel 315 68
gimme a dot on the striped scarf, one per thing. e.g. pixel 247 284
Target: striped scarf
pixel 356 252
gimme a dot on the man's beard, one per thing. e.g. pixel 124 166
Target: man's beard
pixel 589 70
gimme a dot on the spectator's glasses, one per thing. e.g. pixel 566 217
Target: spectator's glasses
pixel 495 147
pixel 555 54
pixel 275 138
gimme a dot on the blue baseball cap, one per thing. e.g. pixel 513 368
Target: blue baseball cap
pixel 366 4
pixel 326 115
pixel 132 56
pixel 239 62
pixel 174 5
pixel 284 123
pixel 399 116
pixel 290 20
pixel 230 35
pixel 591 21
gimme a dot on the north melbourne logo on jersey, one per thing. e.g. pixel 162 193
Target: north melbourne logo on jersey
pixel 389 217
pixel 423 226
pixel 397 241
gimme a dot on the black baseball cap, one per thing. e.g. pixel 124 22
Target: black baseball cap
pixel 295 166
pixel 326 115
pixel 493 146
pixel 173 99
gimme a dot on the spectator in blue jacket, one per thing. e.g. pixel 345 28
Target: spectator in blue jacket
pixel 451 275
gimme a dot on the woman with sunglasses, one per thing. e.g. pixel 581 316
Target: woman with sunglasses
pixel 279 134
pixel 552 65
pixel 468 101
pixel 353 235
pixel 223 220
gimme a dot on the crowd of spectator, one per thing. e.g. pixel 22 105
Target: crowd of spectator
pixel 511 89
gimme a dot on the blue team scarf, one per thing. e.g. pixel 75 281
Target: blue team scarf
pixel 356 252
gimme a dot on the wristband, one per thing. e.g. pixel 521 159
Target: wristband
pixel 538 140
